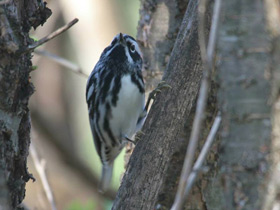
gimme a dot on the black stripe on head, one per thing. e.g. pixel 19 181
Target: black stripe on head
pixel 116 89
pixel 136 81
pixel 113 43
pixel 118 54
pixel 106 50
pixel 106 125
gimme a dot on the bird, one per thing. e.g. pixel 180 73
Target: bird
pixel 115 95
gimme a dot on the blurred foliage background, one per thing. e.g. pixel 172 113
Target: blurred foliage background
pixel 60 127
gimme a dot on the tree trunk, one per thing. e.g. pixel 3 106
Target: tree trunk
pixel 244 76
pixel 158 28
pixel 16 19
pixel 248 77
pixel 166 128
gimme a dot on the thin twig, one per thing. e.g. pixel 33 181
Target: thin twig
pixel 62 61
pixel 213 33
pixel 202 155
pixel 52 35
pixel 40 167
pixel 207 62
pixel 201 31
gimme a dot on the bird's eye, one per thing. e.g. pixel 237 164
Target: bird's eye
pixel 132 48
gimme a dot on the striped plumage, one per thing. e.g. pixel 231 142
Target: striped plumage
pixel 115 96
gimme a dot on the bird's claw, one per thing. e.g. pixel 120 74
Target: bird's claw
pixel 138 136
pixel 161 85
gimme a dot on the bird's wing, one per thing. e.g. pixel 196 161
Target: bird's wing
pixel 91 90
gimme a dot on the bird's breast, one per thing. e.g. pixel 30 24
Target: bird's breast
pixel 129 107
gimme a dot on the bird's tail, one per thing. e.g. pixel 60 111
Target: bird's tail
pixel 107 171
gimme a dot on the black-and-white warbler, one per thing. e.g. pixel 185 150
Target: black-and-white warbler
pixel 116 100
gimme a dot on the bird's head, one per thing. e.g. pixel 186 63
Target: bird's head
pixel 123 50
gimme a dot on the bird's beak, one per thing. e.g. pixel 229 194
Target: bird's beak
pixel 121 39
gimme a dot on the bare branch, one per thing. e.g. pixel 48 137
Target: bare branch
pixel 213 34
pixel 202 155
pixel 52 35
pixel 201 102
pixel 62 61
pixel 40 167
pixel 201 31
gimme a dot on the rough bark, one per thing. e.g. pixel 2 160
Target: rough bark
pixel 16 19
pixel 244 89
pixel 158 28
pixel 166 126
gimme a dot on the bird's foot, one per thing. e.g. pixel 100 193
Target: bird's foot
pixel 138 136
pixel 162 85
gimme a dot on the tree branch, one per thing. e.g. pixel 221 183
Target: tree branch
pixel 40 167
pixel 201 102
pixel 52 35
pixel 198 164
pixel 62 61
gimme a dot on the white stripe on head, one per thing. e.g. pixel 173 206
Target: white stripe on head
pixel 130 60
pixel 132 41
pixel 128 39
